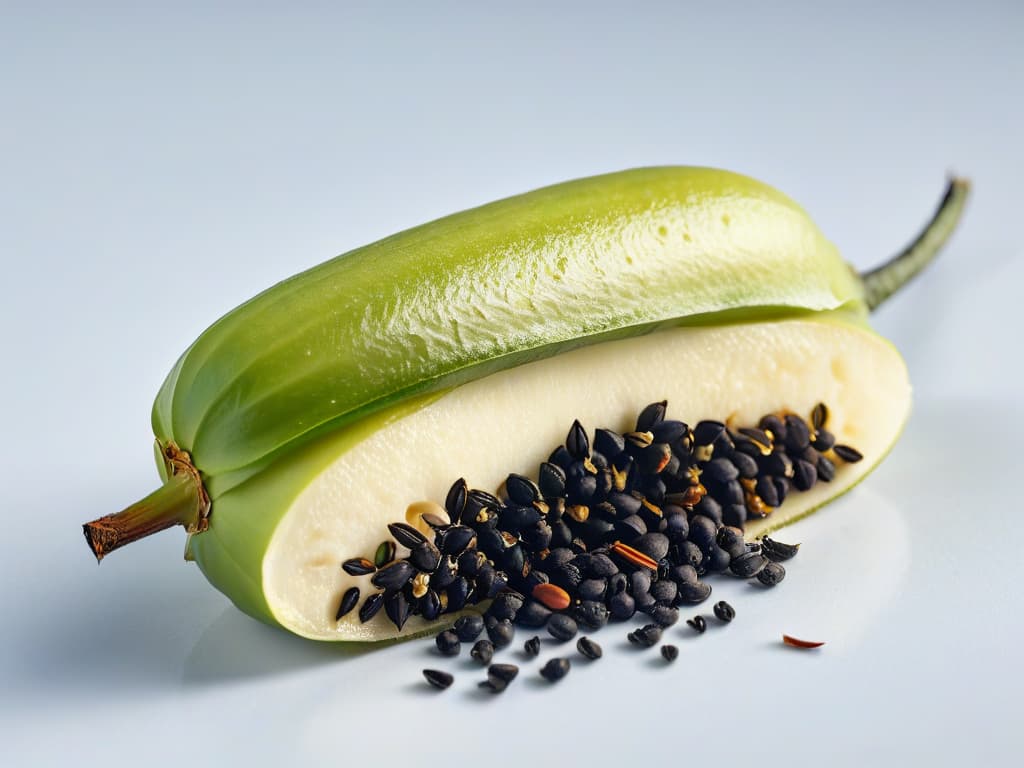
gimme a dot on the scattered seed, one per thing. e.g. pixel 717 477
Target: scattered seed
pixel 501 633
pixel 348 602
pixel 532 646
pixel 749 565
pixel 771 574
pixel 646 636
pixel 483 651
pixel 589 648
pixel 358 566
pixel 396 606
pixel 394 576
pixel 698 623
pixel 448 643
pixel 576 442
pixel 406 535
pixel 777 551
pixel 724 611
pixel 847 454
pixel 437 678
pixel 669 652
pixel 797 643
pixel 555 670
pixel 502 673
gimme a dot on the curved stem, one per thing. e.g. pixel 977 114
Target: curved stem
pixel 884 280
pixel 181 500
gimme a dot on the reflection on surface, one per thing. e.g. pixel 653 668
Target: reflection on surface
pixel 236 647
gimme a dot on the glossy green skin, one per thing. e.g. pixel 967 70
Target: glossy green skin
pixel 279 387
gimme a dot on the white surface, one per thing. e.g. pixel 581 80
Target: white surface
pixel 159 167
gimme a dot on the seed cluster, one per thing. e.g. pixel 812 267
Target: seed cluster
pixel 614 526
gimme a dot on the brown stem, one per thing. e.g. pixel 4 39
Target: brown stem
pixel 181 500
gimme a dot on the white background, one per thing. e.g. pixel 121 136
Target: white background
pixel 160 165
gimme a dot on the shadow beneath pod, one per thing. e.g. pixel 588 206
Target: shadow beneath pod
pixel 236 647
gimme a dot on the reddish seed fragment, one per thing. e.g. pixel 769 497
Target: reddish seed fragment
pixel 634 556
pixel 552 596
pixel 795 642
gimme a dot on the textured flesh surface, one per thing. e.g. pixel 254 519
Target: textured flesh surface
pixel 511 420
pixel 486 290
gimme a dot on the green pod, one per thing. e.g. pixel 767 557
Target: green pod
pixel 277 391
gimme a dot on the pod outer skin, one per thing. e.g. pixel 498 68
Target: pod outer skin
pixel 282 385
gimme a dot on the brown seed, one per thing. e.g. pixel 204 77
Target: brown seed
pixel 794 642
pixel 634 556
pixel 552 596
pixel 578 512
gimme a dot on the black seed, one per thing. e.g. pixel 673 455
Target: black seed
pixel 348 602
pixel 393 577
pixel 521 490
pixel 724 611
pixel 504 673
pixel 385 554
pixel 819 416
pixel 745 465
pixel 483 651
pixel 608 443
pixel 592 589
pixel 735 515
pixel 691 554
pixel 765 488
pixel 748 565
pixel 501 632
pixel 454 540
pixel 532 646
pixel 782 487
pixel 567 576
pixel 670 431
pixel 617 583
pixel 437 678
pixel 406 535
pixel 651 415
pixel 826 469
pixel 506 605
pixel 448 643
pixel 698 624
pixel 777 551
pixel 589 648
pixel 665 615
pixel 581 490
pixel 729 537
pixel 718 559
pixel 561 534
pixel 491 542
pixel 592 614
pixel 654 545
pixel 728 493
pixel 638 441
pixel 443 575
pixel 371 606
pixel 621 606
pixel 721 471
pixel 358 566
pixel 775 425
pixel 551 480
pixel 824 440
pixel 646 636
pixel 430 605
pixel 630 528
pixel 455 501
pixel 562 627
pixel 683 574
pixel 560 457
pixel 601 566
pixel 558 557
pixel 663 590
pixel 425 557
pixel 847 454
pixel 691 593
pixel 396 606
pixel 654 458
pixel 798 436
pixel 555 670
pixel 702 531
pixel 758 437
pixel 537 537
pixel 805 475
pixel 669 652
pixel 772 574
pixel 577 442
pixel 468 628
pixel 706 432
pixel 677 528
pixel 436 522
pixel 457 593
pixel 710 509
pixel 777 464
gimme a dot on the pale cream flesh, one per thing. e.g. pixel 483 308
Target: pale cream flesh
pixel 510 421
